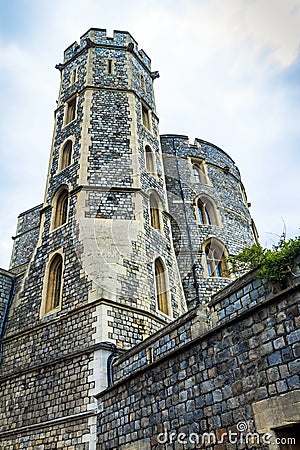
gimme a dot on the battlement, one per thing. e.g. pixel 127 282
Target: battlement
pixel 179 141
pixel 98 37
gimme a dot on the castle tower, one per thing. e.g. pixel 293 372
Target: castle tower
pixel 100 271
pixel 210 214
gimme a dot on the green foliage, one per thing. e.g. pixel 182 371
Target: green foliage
pixel 273 264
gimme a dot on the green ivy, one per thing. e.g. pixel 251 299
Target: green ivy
pixel 273 264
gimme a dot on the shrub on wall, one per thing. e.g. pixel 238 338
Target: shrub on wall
pixel 273 264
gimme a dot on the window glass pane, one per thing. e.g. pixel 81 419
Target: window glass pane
pixel 208 220
pixel 201 215
pixel 219 269
pixel 196 173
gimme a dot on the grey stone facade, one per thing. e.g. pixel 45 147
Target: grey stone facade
pixel 236 375
pixel 26 239
pixel 7 282
pixel 106 367
pixel 224 187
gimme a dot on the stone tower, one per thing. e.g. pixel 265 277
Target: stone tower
pixel 104 263
pixel 100 273
pixel 210 213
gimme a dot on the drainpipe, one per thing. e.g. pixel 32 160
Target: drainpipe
pixel 5 315
pixel 196 283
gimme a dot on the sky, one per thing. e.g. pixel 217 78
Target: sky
pixel 229 74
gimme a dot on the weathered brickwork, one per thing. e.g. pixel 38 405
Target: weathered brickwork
pixel 129 198
pixel 46 406
pixel 169 339
pixel 232 301
pixel 130 326
pixel 71 436
pixel 50 337
pixel 48 393
pixel 223 186
pixel 208 385
pixel 6 286
pixel 106 243
pixel 26 239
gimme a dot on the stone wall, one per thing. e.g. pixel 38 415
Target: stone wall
pixel 46 382
pixel 26 239
pixel 6 284
pixel 240 375
pixel 55 360
pixel 224 187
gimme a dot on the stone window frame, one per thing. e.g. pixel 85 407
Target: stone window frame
pixel 146 116
pixel 162 287
pixel 155 211
pixel 73 76
pixel 70 110
pixel 150 160
pixel 206 205
pixel 51 299
pixel 201 166
pixel 60 208
pixel 62 156
pixel 214 263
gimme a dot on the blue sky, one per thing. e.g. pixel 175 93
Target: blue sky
pixel 229 74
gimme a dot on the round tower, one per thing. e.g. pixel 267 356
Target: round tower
pixel 210 213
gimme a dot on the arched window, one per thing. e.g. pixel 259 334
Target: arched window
pixel 143 85
pixel 155 219
pixel 150 160
pixel 204 216
pixel 206 211
pixel 215 259
pixel 54 284
pixel 161 285
pixel 61 208
pixel 66 155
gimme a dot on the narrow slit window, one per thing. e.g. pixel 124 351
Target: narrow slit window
pixel 155 219
pixel 196 174
pixel 199 173
pixel 71 110
pixel 66 155
pixel 54 286
pixel 161 287
pixel 150 160
pixel 109 66
pixel 61 209
pixel 145 117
